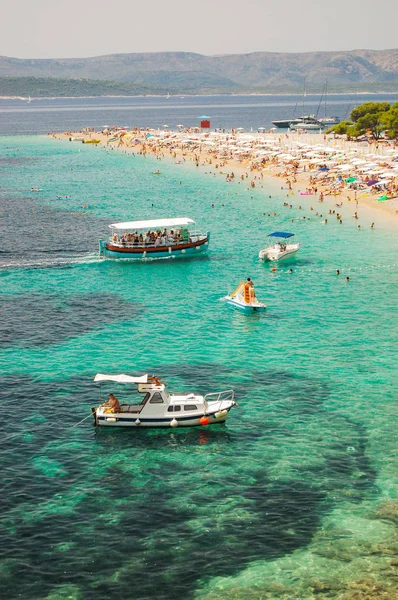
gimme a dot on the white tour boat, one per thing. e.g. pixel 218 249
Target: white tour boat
pixel 158 238
pixel 157 408
pixel 280 249
pixel 244 297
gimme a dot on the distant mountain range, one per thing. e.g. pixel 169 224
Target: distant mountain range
pixel 186 72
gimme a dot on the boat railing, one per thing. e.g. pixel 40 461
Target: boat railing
pixel 220 396
pixel 192 238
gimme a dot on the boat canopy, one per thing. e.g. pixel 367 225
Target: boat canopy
pixel 151 224
pixel 281 234
pixel 121 378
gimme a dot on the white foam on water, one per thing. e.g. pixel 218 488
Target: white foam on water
pixel 52 262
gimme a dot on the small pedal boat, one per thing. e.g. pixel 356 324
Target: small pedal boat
pixel 158 408
pixel 244 298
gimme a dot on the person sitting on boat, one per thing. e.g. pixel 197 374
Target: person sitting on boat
pixel 113 403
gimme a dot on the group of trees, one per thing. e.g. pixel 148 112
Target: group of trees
pixel 374 118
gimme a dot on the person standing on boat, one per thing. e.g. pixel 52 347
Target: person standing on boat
pixel 250 285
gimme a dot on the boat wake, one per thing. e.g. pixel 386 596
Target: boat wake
pixel 53 262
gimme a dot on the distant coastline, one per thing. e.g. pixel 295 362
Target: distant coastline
pixel 248 94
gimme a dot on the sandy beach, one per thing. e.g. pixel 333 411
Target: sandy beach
pixel 315 168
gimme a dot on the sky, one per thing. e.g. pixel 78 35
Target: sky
pixel 82 28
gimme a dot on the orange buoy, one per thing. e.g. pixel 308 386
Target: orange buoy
pixel 273 269
pixel 204 420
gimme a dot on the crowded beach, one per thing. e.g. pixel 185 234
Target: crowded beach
pixel 318 165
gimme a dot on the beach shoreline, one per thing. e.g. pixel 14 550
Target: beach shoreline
pixel 206 150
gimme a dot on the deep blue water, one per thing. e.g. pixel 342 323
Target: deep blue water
pixel 72 114
pixel 296 496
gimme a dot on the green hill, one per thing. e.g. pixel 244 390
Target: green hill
pixel 186 72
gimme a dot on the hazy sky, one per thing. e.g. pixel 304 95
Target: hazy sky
pixel 73 28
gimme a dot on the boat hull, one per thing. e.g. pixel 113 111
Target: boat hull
pixel 134 420
pixel 109 250
pixel 272 256
pixel 285 124
pixel 253 307
pixel 307 126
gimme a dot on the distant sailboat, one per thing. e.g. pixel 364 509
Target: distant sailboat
pixel 326 120
pixel 29 99
pixel 310 122
pixel 168 96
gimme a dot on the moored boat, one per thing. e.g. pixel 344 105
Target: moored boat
pixel 286 123
pixel 307 126
pixel 158 408
pixel 326 120
pixel 304 122
pixel 280 249
pixel 329 121
pixel 160 238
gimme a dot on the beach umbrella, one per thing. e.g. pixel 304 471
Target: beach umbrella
pixel 350 179
pixel 372 181
pixel 382 198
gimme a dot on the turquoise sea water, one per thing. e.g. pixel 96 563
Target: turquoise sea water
pixel 296 496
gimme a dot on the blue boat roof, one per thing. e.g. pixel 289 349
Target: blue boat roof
pixel 281 234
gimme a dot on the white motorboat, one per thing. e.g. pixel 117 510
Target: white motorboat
pixel 307 126
pixel 157 408
pixel 304 122
pixel 280 249
pixel 244 297
pixel 329 120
